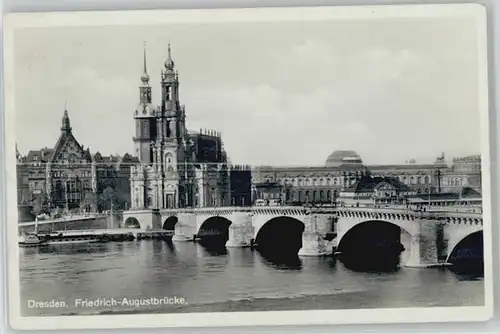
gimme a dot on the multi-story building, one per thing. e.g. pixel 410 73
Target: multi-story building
pixel 343 170
pixel 179 168
pixel 69 177
pixel 463 172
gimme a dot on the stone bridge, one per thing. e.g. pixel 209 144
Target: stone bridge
pixel 429 238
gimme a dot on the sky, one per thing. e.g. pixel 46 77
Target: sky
pixel 281 93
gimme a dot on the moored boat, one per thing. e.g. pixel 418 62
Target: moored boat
pixel 30 240
pixel 70 238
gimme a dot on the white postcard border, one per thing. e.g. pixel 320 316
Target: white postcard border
pixel 309 317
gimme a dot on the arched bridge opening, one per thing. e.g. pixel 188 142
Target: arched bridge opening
pixel 214 232
pixel 131 222
pixel 467 256
pixel 372 246
pixel 280 238
pixel 169 223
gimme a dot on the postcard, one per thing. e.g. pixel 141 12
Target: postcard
pixel 237 167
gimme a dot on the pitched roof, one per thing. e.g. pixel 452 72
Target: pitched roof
pixel 42 155
pixel 67 137
pixel 469 192
pixel 368 183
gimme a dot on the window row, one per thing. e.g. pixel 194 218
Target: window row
pixel 342 181
pixel 455 181
pixel 85 173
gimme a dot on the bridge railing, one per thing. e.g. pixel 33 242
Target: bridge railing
pixel 454 213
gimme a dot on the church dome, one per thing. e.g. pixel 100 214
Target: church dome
pixel 339 158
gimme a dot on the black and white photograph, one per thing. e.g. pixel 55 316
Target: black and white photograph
pixel 214 167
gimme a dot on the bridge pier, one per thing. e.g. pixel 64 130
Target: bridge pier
pixel 313 244
pixel 240 231
pixel 237 237
pixel 184 229
pixel 423 245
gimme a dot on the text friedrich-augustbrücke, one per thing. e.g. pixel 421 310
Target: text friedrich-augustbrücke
pixel 108 302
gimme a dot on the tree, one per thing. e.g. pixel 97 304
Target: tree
pixel 106 198
pixel 89 201
pixel 58 212
pixel 40 204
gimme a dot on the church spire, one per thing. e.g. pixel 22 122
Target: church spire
pixel 169 63
pixel 145 75
pixel 66 126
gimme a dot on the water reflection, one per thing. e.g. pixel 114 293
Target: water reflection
pixel 374 261
pixel 214 249
pixel 282 261
pixel 170 245
pixel 69 249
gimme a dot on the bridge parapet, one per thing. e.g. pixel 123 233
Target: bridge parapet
pixel 264 210
pixel 281 210
pixel 408 213
pixel 473 219
pixel 379 213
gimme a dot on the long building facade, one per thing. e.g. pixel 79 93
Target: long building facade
pixel 345 170
pixel 180 168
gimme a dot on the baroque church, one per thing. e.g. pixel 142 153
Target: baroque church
pixel 179 168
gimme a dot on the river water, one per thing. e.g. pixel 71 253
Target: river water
pixel 213 281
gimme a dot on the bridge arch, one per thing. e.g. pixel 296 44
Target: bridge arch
pixel 169 223
pixel 214 231
pixel 376 244
pixel 131 222
pixel 280 235
pixel 467 250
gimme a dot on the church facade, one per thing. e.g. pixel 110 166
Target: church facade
pixel 179 168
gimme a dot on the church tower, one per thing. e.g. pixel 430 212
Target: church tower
pixel 171 108
pixel 145 120
pixel 174 134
